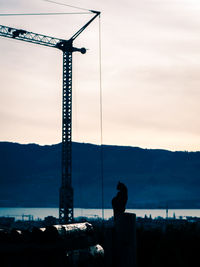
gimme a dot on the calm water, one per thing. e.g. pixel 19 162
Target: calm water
pixel 40 213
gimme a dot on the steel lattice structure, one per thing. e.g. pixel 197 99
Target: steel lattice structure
pixel 66 191
pixel 66 46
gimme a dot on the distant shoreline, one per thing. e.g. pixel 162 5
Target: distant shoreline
pixel 98 208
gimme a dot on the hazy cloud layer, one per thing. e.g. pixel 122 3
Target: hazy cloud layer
pixel 150 70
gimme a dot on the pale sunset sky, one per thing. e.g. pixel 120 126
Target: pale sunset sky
pixel 150 74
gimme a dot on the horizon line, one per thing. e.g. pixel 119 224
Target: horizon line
pixel 88 143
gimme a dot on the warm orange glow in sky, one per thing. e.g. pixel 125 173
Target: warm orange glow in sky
pixel 150 71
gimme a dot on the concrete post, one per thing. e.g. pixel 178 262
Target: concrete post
pixel 125 240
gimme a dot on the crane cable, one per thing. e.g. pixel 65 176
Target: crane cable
pixel 101 121
pixel 63 4
pixel 43 14
pixel 49 14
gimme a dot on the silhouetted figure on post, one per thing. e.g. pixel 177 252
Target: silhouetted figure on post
pixel 120 200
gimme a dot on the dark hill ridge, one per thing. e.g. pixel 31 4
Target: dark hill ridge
pixel 31 175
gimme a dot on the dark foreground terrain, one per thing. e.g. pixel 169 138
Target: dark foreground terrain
pixel 167 244
pixel 159 243
pixel 177 246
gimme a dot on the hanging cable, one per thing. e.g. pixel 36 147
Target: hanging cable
pixel 101 122
pixel 63 4
pixel 44 14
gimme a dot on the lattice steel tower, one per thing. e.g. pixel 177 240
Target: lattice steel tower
pixel 66 46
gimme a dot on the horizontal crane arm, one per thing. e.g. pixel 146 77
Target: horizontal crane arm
pixel 31 37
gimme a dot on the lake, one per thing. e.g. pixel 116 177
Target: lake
pixel 41 213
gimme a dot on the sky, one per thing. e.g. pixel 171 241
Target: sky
pixel 150 57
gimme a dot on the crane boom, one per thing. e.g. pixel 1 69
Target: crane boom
pixel 66 46
pixel 30 37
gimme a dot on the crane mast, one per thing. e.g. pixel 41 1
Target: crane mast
pixel 66 190
pixel 66 46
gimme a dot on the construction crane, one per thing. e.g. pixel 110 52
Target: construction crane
pixel 66 46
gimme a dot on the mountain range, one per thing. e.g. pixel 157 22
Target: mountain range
pixel 30 176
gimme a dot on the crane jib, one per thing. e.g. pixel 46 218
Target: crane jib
pixel 30 37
